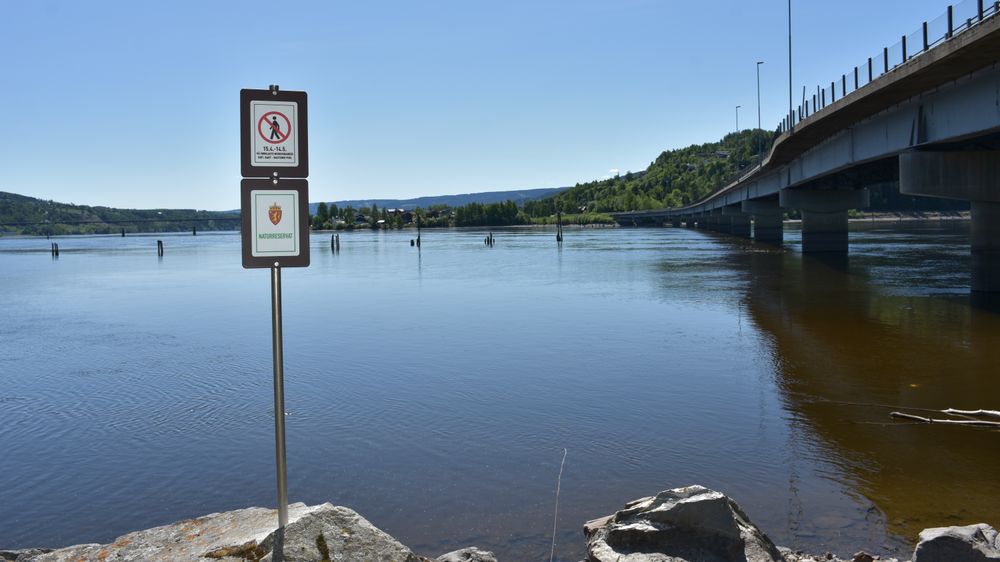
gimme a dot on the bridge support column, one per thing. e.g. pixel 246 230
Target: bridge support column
pixel 974 177
pixel 986 246
pixel 719 223
pixel 739 222
pixel 740 225
pixel 824 216
pixel 768 220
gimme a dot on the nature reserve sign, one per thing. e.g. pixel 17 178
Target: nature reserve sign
pixel 275 223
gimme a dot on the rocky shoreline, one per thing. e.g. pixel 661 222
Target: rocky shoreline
pixel 690 524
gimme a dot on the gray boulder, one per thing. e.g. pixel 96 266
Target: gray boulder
pixel 972 543
pixel 22 554
pixel 333 533
pixel 692 524
pixel 467 555
pixel 320 533
pixel 232 535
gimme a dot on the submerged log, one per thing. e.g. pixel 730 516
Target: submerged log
pixel 980 413
pixel 972 423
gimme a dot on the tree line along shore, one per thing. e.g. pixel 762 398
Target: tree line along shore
pixel 675 178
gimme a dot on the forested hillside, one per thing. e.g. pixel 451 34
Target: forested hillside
pixel 20 214
pixel 675 178
pixel 679 177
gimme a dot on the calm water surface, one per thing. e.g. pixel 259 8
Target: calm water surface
pixel 434 392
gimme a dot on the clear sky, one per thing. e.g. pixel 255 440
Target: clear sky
pixel 136 104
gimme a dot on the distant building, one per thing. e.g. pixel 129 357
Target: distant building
pixel 407 216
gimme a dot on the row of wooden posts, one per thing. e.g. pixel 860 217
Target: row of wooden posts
pixel 159 249
pixel 335 241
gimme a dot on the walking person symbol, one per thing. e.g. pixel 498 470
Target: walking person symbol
pixel 275 129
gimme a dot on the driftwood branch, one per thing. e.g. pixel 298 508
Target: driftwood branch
pixel 970 423
pixel 980 413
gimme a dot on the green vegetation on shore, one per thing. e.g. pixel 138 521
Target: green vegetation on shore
pixel 676 178
pixel 507 213
pixel 20 214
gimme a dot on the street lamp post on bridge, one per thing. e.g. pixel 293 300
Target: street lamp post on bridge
pixel 760 148
pixel 790 114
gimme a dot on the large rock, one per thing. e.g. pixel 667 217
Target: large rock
pixel 692 524
pixel 320 533
pixel 972 543
pixel 333 533
pixel 467 555
pixel 232 535
pixel 22 554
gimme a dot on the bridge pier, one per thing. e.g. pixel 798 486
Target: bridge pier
pixel 740 225
pixel 974 177
pixel 768 220
pixel 739 222
pixel 986 246
pixel 715 221
pixel 824 216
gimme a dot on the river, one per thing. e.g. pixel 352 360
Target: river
pixel 434 390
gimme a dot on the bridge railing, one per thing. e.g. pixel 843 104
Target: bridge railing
pixel 957 19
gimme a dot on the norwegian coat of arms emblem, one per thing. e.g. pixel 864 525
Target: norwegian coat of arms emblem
pixel 274 213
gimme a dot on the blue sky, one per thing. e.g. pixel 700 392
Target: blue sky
pixel 136 104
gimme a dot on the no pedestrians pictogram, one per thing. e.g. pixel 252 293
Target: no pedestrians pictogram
pixel 274 127
pixel 274 139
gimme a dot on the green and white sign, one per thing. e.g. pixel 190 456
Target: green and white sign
pixel 275 220
pixel 275 215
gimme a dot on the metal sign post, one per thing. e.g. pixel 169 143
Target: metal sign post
pixel 274 215
pixel 279 396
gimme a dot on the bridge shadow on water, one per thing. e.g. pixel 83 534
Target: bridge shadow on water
pixel 849 345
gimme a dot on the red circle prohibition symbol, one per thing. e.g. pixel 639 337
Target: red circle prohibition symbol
pixel 265 128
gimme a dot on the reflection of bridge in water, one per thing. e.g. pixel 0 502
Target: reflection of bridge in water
pixel 847 353
pixel 930 124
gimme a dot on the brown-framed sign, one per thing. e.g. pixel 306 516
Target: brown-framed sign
pixel 275 222
pixel 274 134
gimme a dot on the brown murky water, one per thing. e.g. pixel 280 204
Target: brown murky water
pixel 889 329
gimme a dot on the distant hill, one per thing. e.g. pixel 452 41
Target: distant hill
pixel 517 196
pixel 682 176
pixel 674 178
pixel 20 214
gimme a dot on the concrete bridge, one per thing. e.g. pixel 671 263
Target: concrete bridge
pixel 930 125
